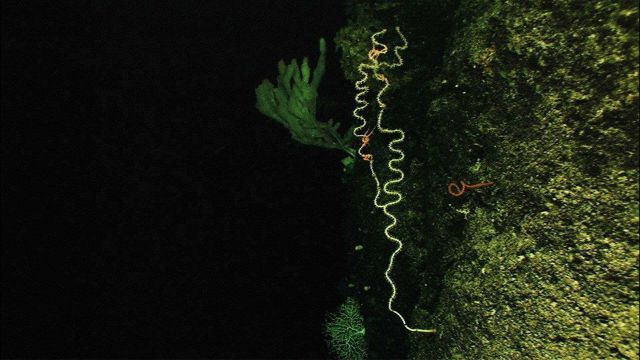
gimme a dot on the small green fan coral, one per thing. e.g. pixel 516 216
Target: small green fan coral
pixel 345 332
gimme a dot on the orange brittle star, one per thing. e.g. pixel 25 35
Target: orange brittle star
pixel 374 53
pixel 459 191
pixel 365 142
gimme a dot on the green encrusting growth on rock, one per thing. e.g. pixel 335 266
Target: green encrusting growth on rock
pixel 540 98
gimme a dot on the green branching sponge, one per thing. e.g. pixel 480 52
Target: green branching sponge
pixel 345 332
pixel 293 104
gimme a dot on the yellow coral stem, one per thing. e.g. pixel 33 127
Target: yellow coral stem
pixel 375 66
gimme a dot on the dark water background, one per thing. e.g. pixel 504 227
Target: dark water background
pixel 148 209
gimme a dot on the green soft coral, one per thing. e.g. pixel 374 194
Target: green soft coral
pixel 293 104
